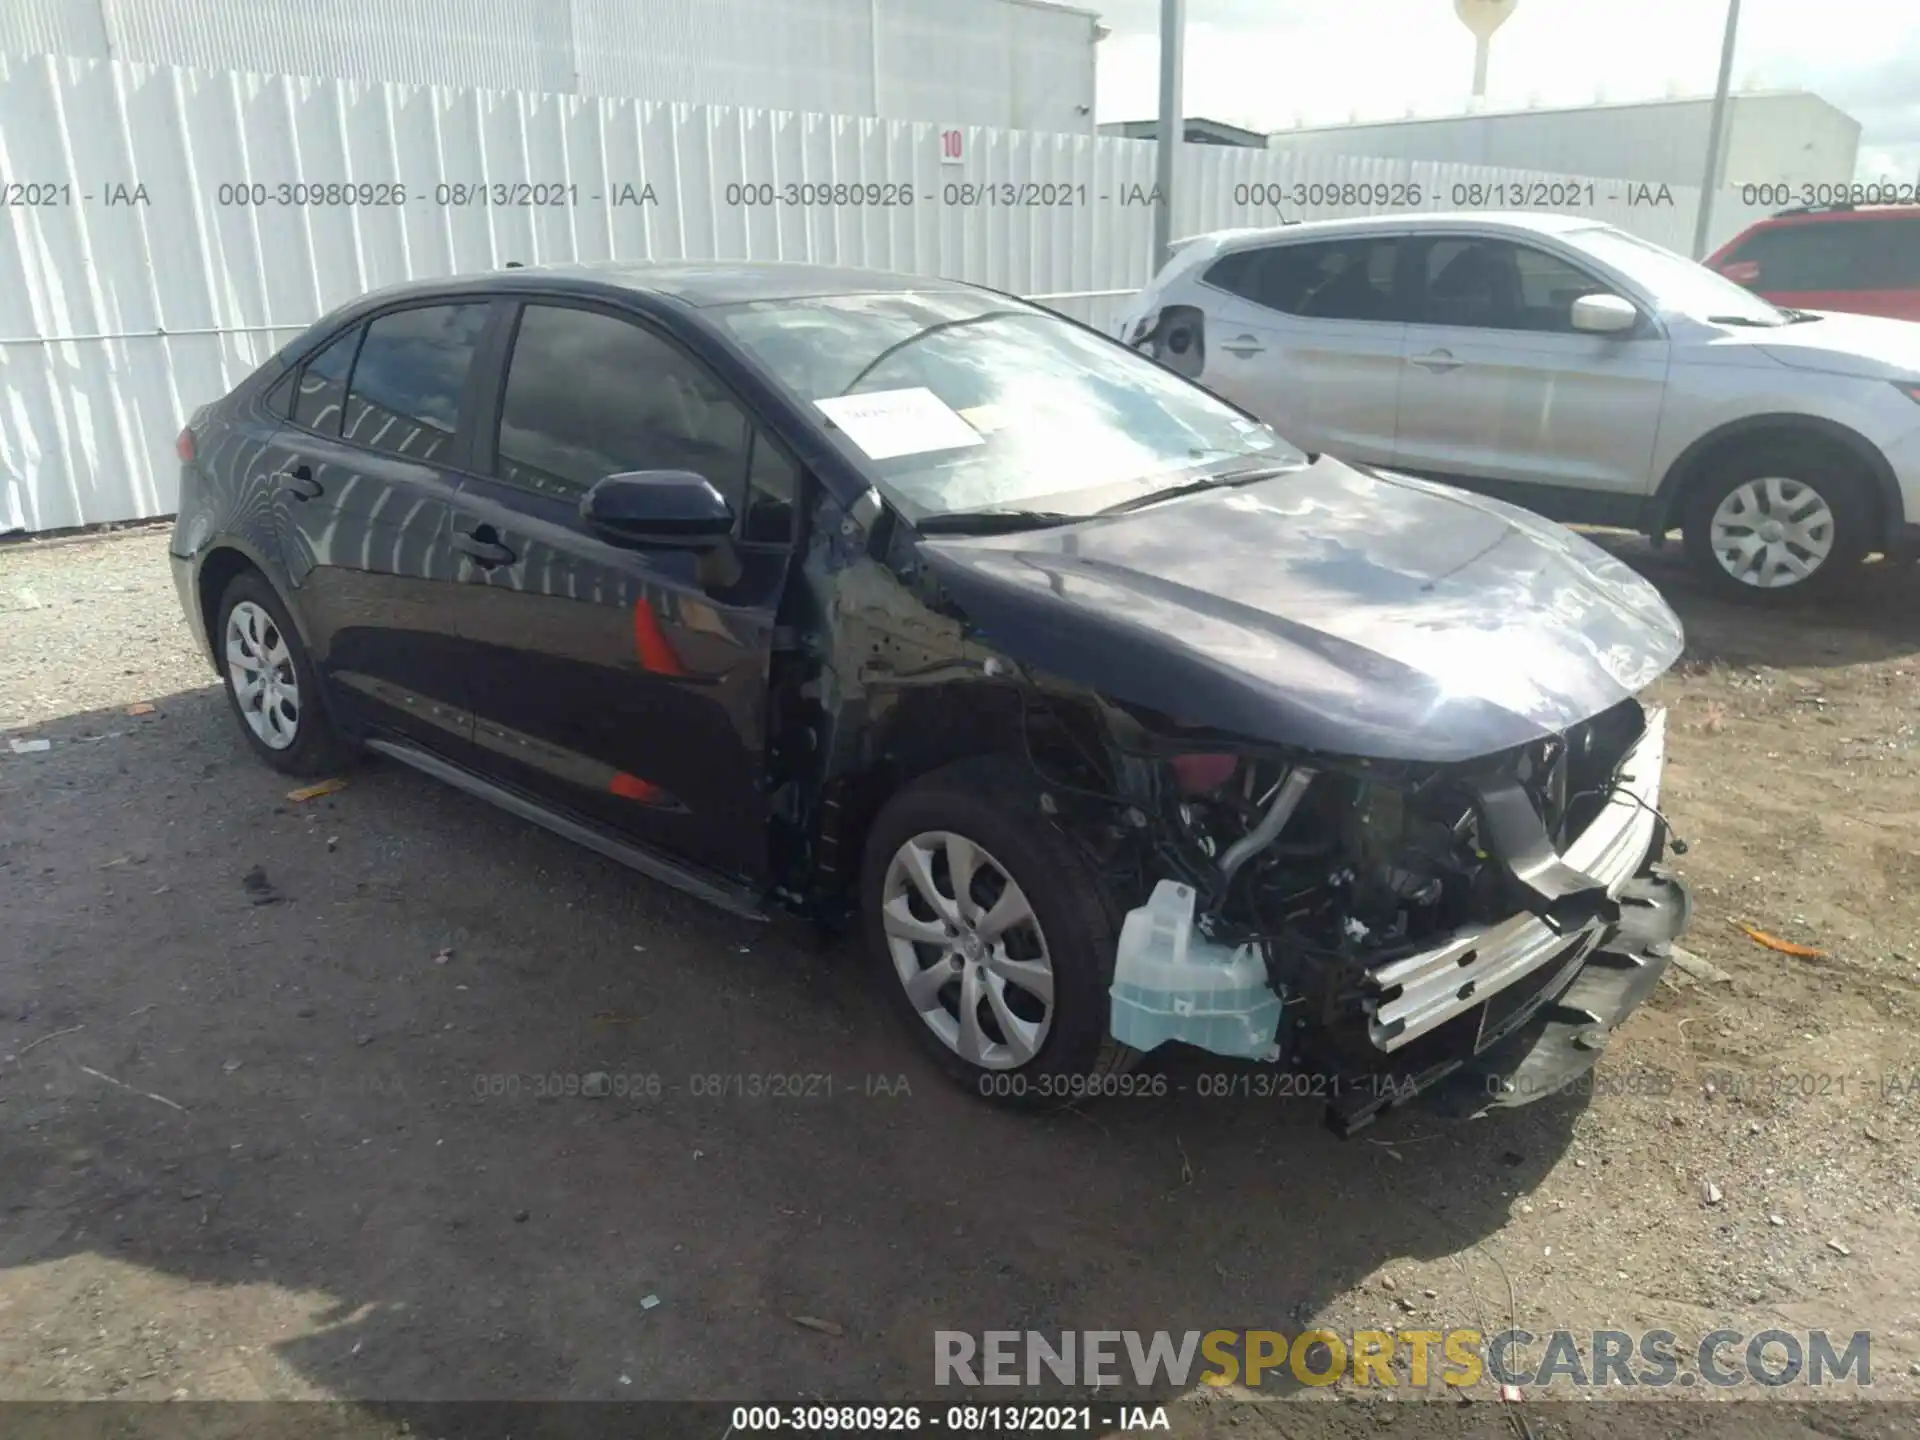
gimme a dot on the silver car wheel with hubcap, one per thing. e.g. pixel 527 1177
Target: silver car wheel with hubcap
pixel 968 949
pixel 265 685
pixel 1772 532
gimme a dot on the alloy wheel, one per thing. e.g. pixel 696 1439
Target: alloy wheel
pixel 1772 532
pixel 968 949
pixel 265 684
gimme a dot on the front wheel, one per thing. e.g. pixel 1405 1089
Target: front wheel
pixel 991 936
pixel 1777 521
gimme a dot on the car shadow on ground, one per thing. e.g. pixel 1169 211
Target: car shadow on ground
pixel 347 1101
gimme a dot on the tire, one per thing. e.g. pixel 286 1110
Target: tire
pixel 294 736
pixel 1818 496
pixel 1051 1054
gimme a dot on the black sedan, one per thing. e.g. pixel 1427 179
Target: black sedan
pixel 1111 719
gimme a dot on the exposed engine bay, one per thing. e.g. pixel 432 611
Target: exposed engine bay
pixel 1383 902
pixel 1357 861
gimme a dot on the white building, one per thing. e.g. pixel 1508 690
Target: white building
pixel 1772 137
pixel 1014 64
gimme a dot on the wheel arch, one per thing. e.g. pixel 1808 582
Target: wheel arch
pixel 216 569
pixel 1691 465
pixel 919 729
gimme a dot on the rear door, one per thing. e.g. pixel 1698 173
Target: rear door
pixel 626 686
pixel 363 507
pixel 1309 337
pixel 1499 386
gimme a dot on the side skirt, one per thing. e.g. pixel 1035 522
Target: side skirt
pixel 715 891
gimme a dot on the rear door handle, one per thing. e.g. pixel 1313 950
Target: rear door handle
pixel 1438 361
pixel 1243 346
pixel 482 546
pixel 299 483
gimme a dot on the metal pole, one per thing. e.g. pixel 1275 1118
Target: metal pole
pixel 1480 49
pixel 1172 125
pixel 1716 129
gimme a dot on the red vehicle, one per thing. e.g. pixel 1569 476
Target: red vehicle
pixel 1865 260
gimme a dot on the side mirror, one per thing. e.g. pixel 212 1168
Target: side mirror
pixel 1742 272
pixel 669 508
pixel 1604 314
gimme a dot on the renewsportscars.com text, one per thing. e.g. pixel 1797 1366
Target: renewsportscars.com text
pixel 1457 1358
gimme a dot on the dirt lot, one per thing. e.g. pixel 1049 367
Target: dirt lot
pixel 289 1149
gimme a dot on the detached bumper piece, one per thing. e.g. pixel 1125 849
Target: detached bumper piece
pixel 1421 993
pixel 1578 1022
pixel 1509 1013
pixel 1540 1036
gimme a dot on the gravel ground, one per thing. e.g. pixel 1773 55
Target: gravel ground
pixel 290 1149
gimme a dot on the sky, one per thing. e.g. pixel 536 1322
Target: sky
pixel 1270 64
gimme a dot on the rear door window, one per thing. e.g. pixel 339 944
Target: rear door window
pixel 320 392
pixel 404 398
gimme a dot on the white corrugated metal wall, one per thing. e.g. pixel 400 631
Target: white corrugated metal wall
pixel 117 319
pixel 1011 63
pixel 773 54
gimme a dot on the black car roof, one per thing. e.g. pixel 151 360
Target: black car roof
pixel 698 283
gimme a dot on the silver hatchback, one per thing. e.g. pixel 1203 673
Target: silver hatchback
pixel 1567 366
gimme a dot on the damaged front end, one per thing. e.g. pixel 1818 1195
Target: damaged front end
pixel 1389 926
pixel 1358 759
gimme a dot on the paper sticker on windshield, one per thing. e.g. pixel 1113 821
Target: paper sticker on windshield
pixel 985 418
pixel 886 423
pixel 1261 437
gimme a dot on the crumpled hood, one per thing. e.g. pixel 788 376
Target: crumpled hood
pixel 1867 346
pixel 1355 613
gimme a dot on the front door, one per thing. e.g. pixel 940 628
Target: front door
pixel 628 686
pixel 1499 386
pixel 1309 338
pixel 363 505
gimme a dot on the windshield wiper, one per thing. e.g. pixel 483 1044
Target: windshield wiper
pixel 1746 320
pixel 992 522
pixel 1212 482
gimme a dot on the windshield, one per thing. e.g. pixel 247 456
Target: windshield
pixel 970 402
pixel 1675 281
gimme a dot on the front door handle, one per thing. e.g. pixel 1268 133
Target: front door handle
pixel 482 546
pixel 299 483
pixel 1438 361
pixel 1243 346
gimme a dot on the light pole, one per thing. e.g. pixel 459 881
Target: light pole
pixel 1716 129
pixel 1172 125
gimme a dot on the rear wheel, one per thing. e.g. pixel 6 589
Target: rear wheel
pixel 270 681
pixel 991 936
pixel 1778 520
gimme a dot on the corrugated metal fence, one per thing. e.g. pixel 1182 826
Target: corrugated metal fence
pixel 168 228
pixel 982 62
